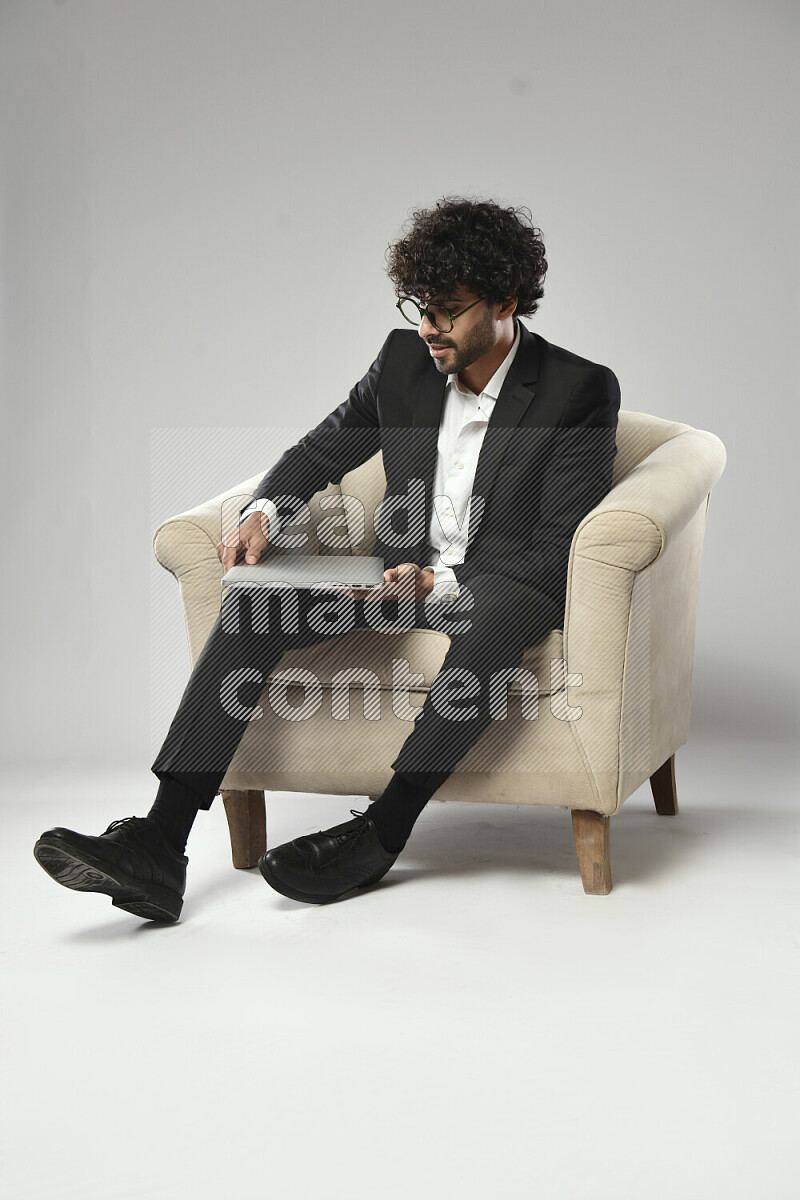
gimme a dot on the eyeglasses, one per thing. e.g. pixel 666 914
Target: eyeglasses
pixel 439 317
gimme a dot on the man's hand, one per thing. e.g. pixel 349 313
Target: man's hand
pixel 248 542
pixel 404 580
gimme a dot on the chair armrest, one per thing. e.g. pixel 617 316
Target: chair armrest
pixel 636 521
pixel 183 542
pixel 186 546
pixel 631 605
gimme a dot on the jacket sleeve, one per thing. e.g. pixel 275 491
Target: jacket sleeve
pixel 577 477
pixel 345 439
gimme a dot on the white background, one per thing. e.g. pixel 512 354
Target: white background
pixel 197 197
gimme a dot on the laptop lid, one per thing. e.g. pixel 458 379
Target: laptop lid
pixel 308 571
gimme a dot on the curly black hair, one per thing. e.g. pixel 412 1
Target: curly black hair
pixel 489 249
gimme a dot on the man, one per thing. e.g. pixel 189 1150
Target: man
pixel 500 442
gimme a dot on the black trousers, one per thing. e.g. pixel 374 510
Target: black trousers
pixel 489 625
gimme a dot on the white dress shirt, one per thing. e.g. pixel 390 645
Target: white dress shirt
pixel 465 417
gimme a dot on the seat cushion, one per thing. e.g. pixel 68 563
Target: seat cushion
pixel 423 649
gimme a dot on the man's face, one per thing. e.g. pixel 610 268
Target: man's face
pixel 472 335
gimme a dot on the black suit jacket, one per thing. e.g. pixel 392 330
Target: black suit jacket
pixel 545 461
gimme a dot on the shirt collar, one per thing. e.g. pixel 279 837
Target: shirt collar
pixel 494 385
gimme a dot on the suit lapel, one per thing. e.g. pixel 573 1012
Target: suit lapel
pixel 427 416
pixel 516 394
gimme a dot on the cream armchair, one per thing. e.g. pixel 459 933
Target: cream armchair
pixel 613 698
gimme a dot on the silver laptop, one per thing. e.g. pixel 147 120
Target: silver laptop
pixel 308 571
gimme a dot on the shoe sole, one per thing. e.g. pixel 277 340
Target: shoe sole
pixel 85 873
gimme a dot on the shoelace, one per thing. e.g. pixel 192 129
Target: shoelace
pixel 139 823
pixel 345 834
pixel 122 821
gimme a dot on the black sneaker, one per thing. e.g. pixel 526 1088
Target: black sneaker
pixel 132 862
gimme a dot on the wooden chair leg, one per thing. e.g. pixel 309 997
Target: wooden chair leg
pixel 247 824
pixel 665 794
pixel 592 831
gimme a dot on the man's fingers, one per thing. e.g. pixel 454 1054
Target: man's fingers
pixel 403 580
pixel 254 544
pixel 256 524
pixel 229 548
pixel 247 542
pixel 407 577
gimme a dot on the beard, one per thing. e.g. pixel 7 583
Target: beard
pixel 479 341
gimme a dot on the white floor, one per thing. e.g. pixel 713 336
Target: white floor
pixel 474 1026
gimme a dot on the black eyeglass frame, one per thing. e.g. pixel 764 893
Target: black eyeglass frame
pixel 425 312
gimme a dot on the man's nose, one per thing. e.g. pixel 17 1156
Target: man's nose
pixel 427 328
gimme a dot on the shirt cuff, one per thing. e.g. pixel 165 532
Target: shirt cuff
pixel 445 582
pixel 265 506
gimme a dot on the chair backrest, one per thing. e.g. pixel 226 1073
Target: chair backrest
pixel 638 434
pixel 367 484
